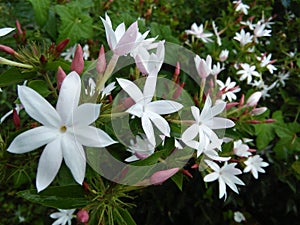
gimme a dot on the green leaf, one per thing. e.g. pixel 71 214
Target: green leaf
pixel 51 24
pixel 63 197
pixel 265 134
pixel 124 217
pixel 41 8
pixel 40 87
pixel 178 180
pixel 14 75
pixel 75 24
pixel 296 167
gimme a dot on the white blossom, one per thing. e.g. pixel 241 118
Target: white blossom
pixel 63 217
pixel 198 32
pixel 243 37
pixel 247 72
pixel 254 165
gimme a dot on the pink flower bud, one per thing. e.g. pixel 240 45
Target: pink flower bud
pixel 242 100
pixel 270 121
pixel 82 216
pixel 258 111
pixel 178 91
pixel 223 55
pixel 101 61
pixel 61 45
pixel 231 104
pixel 60 76
pixel 16 119
pixel 161 176
pixel 254 98
pixel 254 121
pixel 7 49
pixel 77 64
pixel 187 173
pixel 176 72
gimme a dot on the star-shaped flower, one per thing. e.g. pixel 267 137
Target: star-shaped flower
pixel 120 41
pixel 243 38
pixel 149 112
pixel 255 164
pixel 63 217
pixel 198 32
pixel 64 132
pixel 228 89
pixel 247 72
pixel 226 175
pixel 206 122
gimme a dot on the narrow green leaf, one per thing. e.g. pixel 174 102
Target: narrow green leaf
pixel 178 180
pixel 64 197
pixel 14 76
pixel 126 216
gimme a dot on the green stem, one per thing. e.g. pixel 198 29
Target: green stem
pixel 102 78
pixel 202 90
pixel 13 63
pixel 53 89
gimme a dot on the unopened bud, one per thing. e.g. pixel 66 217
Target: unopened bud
pixel 7 49
pixel 82 216
pixel 43 59
pixel 101 61
pixel 242 100
pixel 176 72
pixel 254 98
pixel 187 173
pixel 270 121
pixel 161 176
pixel 254 121
pixel 258 111
pixel 223 55
pixel 77 64
pixel 231 104
pixel 61 45
pixel 178 91
pixel 16 119
pixel 60 76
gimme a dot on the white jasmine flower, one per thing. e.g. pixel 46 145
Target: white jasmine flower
pixel 267 88
pixel 6 30
pixel 63 217
pixel 226 175
pixel 265 61
pixel 198 32
pixel 228 89
pixel 247 72
pixel 260 31
pixel 241 7
pixel 206 122
pixel 141 149
pixel 64 132
pixel 282 77
pixel 243 38
pixel 120 41
pixel 254 165
pixel 239 217
pixel 217 69
pixel 149 112
pixel 203 66
pixel 241 149
pixel 108 89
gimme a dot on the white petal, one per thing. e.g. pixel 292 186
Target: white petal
pixel 127 41
pixel 49 164
pixel 85 114
pixel 92 136
pixel 74 156
pixel 148 129
pixel 211 177
pixel 136 109
pixel 32 139
pixel 149 88
pixel 219 123
pixel 5 31
pixel 163 107
pixel 68 96
pixel 190 133
pixel 37 107
pixel 196 113
pixel 218 108
pixel 212 165
pixel 120 30
pixel 110 34
pixel 131 89
pixel 222 188
pixel 160 123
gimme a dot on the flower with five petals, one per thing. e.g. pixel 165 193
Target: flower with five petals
pixel 64 132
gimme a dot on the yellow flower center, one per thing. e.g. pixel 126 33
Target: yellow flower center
pixel 63 129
